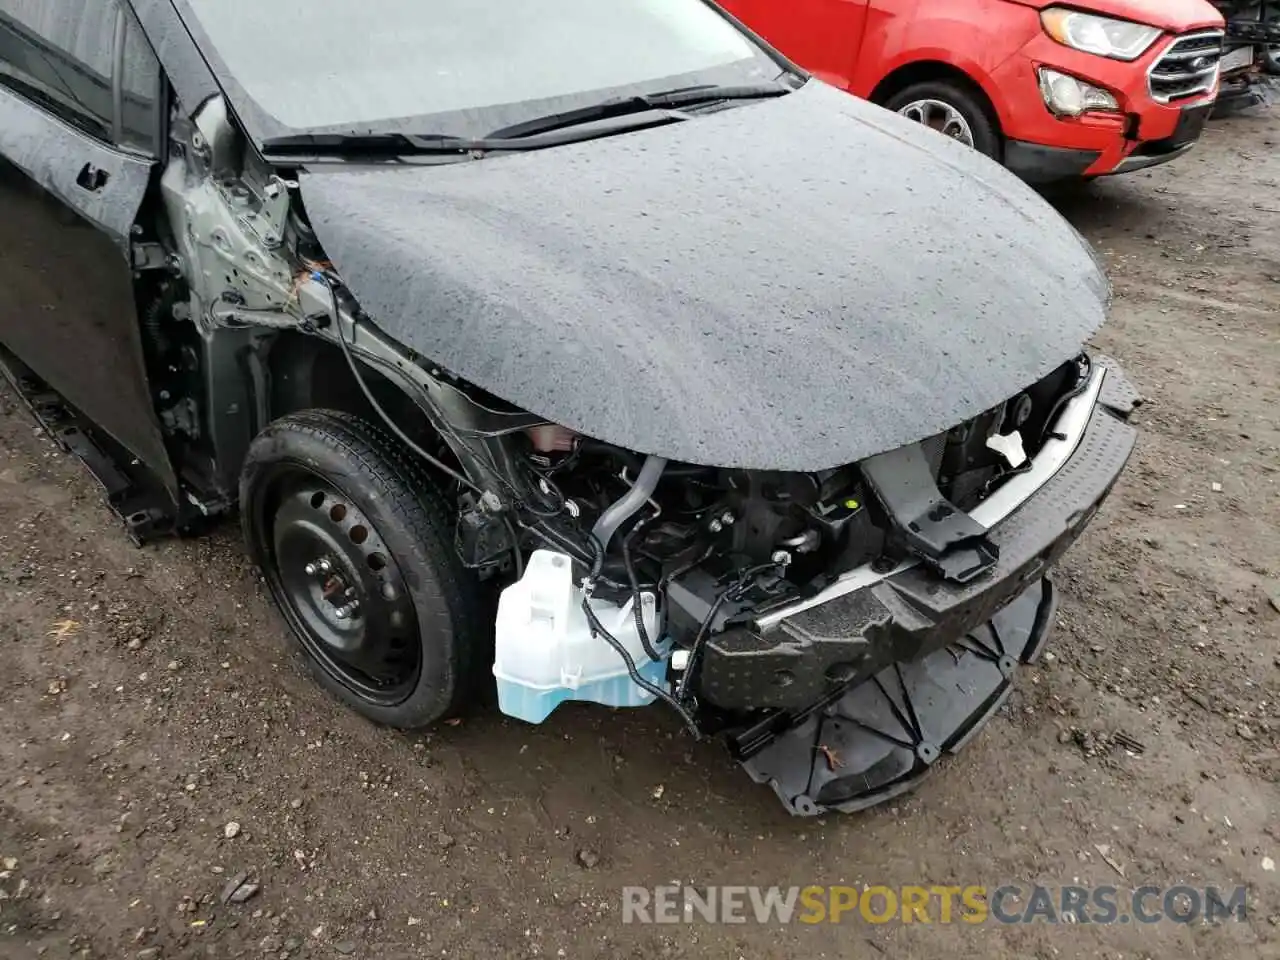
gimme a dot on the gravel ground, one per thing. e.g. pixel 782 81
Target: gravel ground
pixel 159 741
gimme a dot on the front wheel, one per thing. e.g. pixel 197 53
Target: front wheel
pixel 952 110
pixel 356 547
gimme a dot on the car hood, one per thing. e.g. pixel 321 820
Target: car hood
pixel 1174 15
pixel 792 284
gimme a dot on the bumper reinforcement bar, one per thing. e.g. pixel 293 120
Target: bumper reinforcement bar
pixel 877 677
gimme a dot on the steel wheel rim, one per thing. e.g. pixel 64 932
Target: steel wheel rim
pixel 941 116
pixel 339 587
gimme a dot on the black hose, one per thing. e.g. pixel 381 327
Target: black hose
pixel 368 395
pixel 561 543
pixel 516 558
pixel 332 283
pixel 597 562
pixel 636 606
pixel 554 491
pixel 638 680
pixel 696 648
pixel 599 628
pixel 1081 385
pixel 679 572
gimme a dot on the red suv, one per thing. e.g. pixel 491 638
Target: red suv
pixel 1054 92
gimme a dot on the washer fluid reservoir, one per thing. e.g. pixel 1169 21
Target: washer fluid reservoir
pixel 545 653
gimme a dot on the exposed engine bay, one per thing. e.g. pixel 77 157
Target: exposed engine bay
pixel 625 578
pixel 716 547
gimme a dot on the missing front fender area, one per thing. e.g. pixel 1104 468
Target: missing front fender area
pixel 883 737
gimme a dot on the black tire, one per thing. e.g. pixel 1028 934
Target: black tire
pixel 986 137
pixel 413 651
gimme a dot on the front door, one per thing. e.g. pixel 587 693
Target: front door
pixel 80 121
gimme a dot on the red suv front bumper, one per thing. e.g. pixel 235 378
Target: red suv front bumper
pixel 1041 146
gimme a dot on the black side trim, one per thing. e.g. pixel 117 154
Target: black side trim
pixel 131 491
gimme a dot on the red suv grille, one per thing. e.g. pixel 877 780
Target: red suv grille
pixel 1188 68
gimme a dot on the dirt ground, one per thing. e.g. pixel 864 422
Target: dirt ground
pixel 148 698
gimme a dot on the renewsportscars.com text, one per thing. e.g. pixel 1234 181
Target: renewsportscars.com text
pixel 944 904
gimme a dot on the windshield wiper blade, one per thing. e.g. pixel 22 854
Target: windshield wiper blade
pixel 373 144
pixel 524 135
pixel 639 103
pixel 713 93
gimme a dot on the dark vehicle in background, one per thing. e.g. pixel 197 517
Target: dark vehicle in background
pixel 552 346
pixel 1251 53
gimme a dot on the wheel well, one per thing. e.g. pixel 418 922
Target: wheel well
pixel 923 71
pixel 309 373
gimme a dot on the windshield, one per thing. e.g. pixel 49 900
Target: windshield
pixel 456 66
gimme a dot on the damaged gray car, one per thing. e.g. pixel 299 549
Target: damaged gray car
pixel 582 351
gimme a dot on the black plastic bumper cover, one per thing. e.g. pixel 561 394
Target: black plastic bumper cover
pixel 938 657
pixel 1037 163
pixel 883 737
